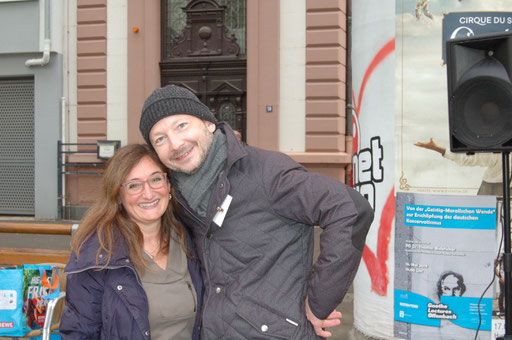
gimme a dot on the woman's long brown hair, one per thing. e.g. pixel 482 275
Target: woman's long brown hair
pixel 107 215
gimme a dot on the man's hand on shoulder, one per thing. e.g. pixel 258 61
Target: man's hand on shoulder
pixel 319 325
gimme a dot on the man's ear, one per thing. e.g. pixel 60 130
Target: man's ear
pixel 210 126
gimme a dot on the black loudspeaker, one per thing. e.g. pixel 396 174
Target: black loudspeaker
pixel 480 93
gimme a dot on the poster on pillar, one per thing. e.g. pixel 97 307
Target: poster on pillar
pixel 424 161
pixel 444 264
pixel 372 68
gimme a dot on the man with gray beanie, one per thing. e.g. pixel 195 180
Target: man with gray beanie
pixel 252 213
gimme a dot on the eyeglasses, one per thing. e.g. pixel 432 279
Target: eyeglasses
pixel 136 186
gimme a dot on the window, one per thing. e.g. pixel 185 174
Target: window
pixel 175 20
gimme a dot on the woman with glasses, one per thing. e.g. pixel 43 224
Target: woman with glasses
pixel 132 273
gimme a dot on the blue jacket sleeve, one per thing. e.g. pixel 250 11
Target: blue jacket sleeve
pixel 82 315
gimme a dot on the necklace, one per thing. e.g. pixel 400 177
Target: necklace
pixel 153 253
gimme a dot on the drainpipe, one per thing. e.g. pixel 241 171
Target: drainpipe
pixel 45 59
pixel 348 94
pixel 349 107
pixel 62 192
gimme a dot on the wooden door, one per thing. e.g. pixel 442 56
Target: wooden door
pixel 200 52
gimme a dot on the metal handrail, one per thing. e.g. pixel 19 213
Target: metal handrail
pixel 61 169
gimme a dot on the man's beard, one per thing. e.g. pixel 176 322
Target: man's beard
pixel 202 156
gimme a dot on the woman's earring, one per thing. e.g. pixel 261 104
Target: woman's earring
pixel 170 196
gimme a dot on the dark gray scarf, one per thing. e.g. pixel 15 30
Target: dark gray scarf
pixel 196 188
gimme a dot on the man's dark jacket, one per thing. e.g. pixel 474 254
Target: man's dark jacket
pixel 257 265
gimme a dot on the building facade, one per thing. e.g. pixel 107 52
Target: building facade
pixel 275 70
pixel 33 85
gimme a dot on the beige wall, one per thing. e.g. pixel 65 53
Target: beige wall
pixel 324 104
pixel 325 89
pixel 292 77
pixel 326 144
pixel 117 70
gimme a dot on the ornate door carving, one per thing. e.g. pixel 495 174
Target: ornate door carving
pixel 207 59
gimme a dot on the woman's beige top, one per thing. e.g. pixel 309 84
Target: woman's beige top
pixel 171 296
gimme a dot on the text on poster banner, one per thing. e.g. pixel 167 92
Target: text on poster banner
pixel 449 217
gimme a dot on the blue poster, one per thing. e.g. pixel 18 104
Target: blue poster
pixel 444 261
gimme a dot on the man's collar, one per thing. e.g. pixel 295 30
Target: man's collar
pixel 235 148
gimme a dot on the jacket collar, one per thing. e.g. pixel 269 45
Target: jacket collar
pixel 236 150
pixel 120 256
pixel 87 258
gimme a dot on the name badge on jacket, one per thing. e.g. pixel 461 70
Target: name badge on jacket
pixel 218 219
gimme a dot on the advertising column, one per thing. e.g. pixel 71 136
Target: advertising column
pixel 447 230
pixel 373 96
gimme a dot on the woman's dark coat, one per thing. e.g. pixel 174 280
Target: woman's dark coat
pixel 111 303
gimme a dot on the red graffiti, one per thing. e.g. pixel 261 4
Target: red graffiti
pixel 387 49
pixel 379 57
pixel 376 264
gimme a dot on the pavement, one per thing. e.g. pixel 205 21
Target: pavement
pixel 346 330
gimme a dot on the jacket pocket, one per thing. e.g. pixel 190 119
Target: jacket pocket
pixel 266 321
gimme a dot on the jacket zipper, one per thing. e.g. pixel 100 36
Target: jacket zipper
pixel 194 297
pixel 109 267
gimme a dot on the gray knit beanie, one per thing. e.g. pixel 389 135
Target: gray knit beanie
pixel 171 100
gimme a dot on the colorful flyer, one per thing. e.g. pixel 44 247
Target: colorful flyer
pixel 445 248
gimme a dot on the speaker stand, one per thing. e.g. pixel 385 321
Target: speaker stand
pixel 507 256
